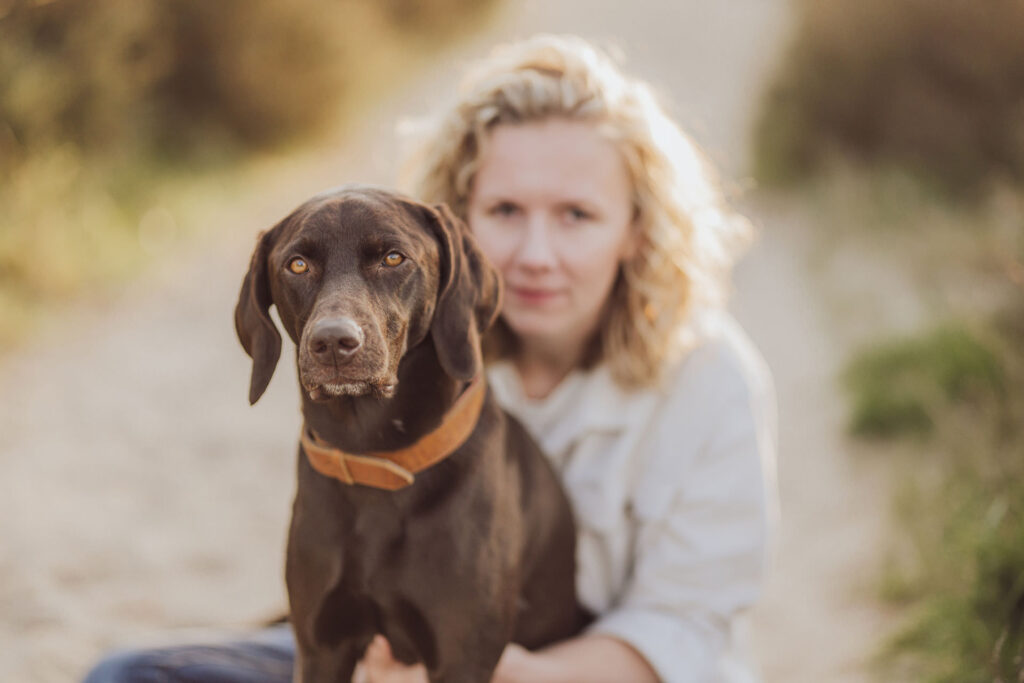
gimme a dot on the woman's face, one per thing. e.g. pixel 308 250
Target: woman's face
pixel 551 207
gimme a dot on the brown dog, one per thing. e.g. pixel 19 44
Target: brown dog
pixel 423 512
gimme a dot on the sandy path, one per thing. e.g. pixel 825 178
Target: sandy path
pixel 139 493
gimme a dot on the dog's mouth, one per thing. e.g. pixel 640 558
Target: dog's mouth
pixel 364 375
pixel 331 390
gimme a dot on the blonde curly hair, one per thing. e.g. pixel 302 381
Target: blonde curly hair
pixel 687 236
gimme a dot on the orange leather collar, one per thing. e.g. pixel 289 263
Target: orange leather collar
pixel 393 470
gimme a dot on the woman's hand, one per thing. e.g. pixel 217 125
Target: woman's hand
pixel 593 658
pixel 584 658
pixel 517 665
pixel 380 666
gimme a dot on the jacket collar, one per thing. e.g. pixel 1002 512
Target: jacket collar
pixel 586 401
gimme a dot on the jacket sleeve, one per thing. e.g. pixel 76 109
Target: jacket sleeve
pixel 703 508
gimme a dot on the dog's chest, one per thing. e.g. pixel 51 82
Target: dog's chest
pixel 368 533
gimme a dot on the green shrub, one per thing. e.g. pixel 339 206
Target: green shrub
pixel 117 114
pixel 175 75
pixel 933 87
pixel 182 76
pixel 898 387
pixel 957 565
pixel 998 595
pixel 969 623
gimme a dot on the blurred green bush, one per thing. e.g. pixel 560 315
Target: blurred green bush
pixel 966 587
pixel 882 91
pixel 178 76
pixel 106 104
pixel 901 387
pixel 958 563
pixel 936 88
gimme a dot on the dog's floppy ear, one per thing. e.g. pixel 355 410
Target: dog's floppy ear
pixel 469 295
pixel 256 331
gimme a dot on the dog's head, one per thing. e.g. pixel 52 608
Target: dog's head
pixel 360 275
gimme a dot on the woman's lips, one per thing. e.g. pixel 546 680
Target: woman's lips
pixel 533 295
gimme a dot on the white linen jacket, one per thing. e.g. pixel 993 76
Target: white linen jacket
pixel 673 488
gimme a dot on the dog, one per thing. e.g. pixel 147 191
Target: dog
pixel 423 512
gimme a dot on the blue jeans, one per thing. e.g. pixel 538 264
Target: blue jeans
pixel 265 657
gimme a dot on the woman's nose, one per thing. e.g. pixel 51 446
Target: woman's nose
pixel 537 249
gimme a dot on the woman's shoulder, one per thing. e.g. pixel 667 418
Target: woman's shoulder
pixel 718 359
pixel 715 418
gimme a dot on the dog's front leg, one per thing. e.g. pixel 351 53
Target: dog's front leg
pixel 332 629
pixel 472 655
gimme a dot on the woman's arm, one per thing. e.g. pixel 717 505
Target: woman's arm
pixel 703 514
pixel 591 658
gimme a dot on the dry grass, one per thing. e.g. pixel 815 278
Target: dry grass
pixel 947 404
pixel 118 118
pixel 933 88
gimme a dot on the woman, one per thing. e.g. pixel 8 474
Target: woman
pixel 614 350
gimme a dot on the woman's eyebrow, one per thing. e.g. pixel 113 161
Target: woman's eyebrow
pixel 494 198
pixel 588 204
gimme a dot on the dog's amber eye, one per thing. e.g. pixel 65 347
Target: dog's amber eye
pixel 393 259
pixel 298 266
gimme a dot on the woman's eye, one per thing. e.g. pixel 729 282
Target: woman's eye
pixel 393 259
pixel 504 209
pixel 574 213
pixel 298 266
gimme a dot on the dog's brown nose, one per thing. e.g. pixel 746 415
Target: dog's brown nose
pixel 335 339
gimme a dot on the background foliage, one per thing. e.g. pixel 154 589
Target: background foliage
pixel 109 109
pixel 870 94
pixel 936 88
